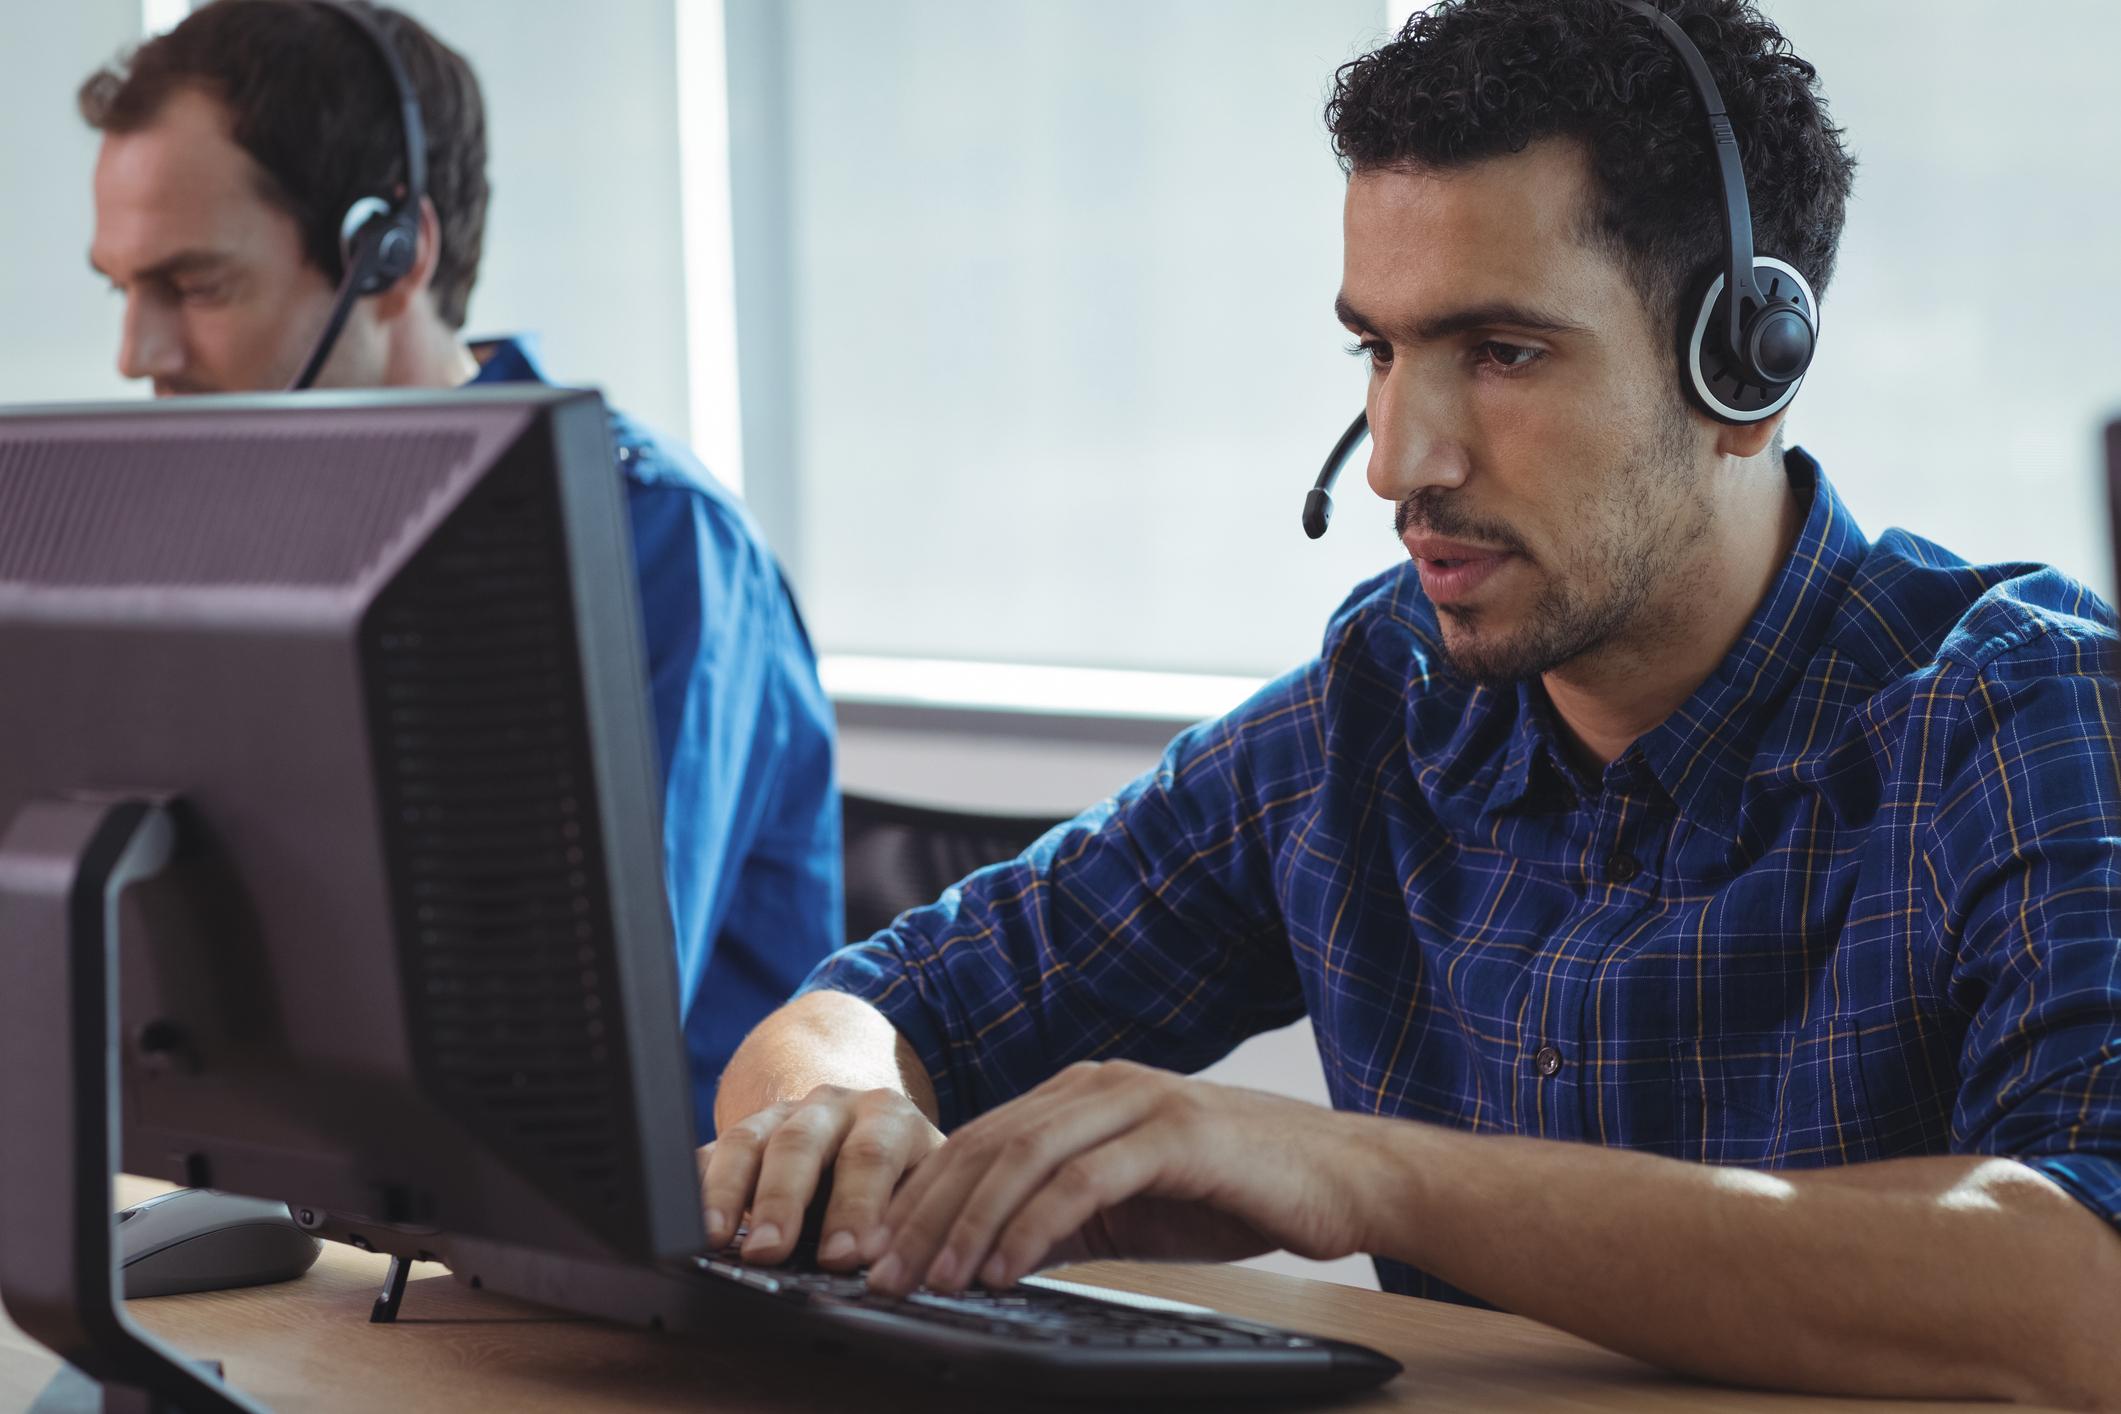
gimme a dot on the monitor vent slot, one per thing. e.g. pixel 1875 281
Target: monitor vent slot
pixel 319 508
pixel 494 840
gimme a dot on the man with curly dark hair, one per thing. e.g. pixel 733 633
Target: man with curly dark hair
pixel 1707 914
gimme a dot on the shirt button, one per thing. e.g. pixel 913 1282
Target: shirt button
pixel 1547 1062
pixel 1622 867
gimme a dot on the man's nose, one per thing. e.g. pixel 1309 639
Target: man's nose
pixel 1415 438
pixel 149 345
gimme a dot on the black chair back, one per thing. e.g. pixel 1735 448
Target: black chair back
pixel 901 856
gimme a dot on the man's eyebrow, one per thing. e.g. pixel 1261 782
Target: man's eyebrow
pixel 1493 314
pixel 184 262
pixel 1348 314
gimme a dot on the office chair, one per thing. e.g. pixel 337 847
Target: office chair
pixel 899 856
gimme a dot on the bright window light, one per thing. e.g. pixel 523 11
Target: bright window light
pixel 157 16
pixel 710 269
pixel 1021 687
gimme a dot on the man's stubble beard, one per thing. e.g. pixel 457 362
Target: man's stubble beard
pixel 1652 516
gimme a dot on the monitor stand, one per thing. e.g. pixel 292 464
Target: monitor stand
pixel 63 866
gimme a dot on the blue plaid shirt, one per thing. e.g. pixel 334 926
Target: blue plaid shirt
pixel 1858 898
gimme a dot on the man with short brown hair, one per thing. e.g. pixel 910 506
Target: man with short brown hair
pixel 232 148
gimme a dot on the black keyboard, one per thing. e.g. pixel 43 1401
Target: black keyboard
pixel 1056 1336
pixel 1053 1312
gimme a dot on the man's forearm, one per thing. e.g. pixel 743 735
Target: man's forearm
pixel 821 1038
pixel 1956 1276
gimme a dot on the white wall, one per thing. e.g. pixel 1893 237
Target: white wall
pixel 58 323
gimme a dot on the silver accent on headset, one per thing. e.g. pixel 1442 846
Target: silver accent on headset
pixel 358 215
pixel 1701 324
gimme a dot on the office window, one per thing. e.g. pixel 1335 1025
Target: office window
pixel 1033 309
pixel 1051 360
pixel 1971 343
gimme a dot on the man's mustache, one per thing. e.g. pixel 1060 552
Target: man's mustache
pixel 1437 512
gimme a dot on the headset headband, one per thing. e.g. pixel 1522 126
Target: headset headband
pixel 410 125
pixel 379 236
pixel 1738 286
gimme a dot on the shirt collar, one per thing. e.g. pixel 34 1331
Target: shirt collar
pixel 1701 753
pixel 510 359
pixel 1534 766
pixel 513 358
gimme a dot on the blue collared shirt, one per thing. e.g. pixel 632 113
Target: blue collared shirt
pixel 751 821
pixel 1858 898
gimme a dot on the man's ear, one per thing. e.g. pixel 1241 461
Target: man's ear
pixel 1750 439
pixel 391 303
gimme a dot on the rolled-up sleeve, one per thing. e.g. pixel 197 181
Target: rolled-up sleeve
pixel 2029 834
pixel 1147 928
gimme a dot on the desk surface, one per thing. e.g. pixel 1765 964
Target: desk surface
pixel 307 1345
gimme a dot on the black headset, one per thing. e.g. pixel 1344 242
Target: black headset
pixel 1748 337
pixel 379 236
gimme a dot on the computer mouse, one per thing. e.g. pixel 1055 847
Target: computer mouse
pixel 195 1239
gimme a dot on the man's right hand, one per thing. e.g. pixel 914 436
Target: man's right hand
pixel 772 1163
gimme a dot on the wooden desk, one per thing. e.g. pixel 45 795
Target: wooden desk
pixel 307 1345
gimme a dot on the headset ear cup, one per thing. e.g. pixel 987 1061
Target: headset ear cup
pixel 1712 377
pixel 396 245
pixel 378 240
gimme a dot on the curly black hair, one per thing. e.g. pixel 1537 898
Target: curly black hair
pixel 1466 80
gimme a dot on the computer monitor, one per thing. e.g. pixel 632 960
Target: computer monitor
pixel 351 686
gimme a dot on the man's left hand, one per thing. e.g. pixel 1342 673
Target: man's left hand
pixel 1115 1159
